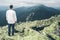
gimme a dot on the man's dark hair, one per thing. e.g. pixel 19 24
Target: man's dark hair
pixel 11 6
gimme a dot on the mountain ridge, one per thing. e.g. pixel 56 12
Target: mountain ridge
pixel 37 12
pixel 24 31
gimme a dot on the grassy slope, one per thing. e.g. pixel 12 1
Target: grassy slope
pixel 31 34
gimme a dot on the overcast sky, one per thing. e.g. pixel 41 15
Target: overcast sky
pixel 50 3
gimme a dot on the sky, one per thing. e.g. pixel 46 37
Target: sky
pixel 50 3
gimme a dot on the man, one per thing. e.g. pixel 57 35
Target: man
pixel 11 19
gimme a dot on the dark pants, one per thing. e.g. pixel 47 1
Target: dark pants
pixel 10 26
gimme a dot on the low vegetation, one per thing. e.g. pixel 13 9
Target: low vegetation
pixel 47 29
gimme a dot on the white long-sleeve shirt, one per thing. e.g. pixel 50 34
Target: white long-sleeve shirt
pixel 11 16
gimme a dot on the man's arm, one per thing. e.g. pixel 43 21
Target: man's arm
pixel 15 16
pixel 6 15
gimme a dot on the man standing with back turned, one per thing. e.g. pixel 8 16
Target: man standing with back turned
pixel 11 19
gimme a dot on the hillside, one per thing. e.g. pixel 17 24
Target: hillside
pixel 37 12
pixel 47 29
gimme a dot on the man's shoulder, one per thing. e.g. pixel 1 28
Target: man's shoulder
pixel 14 11
pixel 10 10
pixel 7 10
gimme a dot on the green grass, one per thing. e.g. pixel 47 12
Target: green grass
pixel 31 34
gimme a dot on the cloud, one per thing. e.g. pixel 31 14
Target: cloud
pixel 30 2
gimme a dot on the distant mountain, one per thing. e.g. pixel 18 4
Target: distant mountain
pixel 2 8
pixel 58 8
pixel 37 12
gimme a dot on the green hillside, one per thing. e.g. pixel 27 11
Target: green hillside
pixel 47 29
